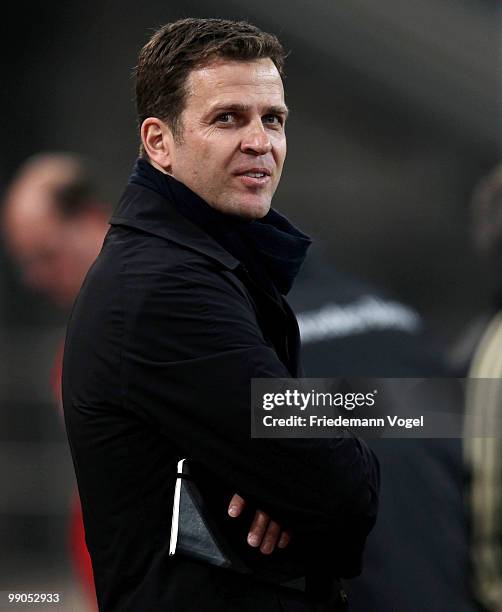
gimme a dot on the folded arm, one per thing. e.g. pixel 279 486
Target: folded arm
pixel 193 345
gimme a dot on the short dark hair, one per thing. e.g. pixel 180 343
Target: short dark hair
pixel 177 48
pixel 74 187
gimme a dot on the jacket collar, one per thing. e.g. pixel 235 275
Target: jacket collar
pixel 147 210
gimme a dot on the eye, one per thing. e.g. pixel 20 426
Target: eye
pixel 226 118
pixel 273 119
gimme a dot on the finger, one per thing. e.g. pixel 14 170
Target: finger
pixel 270 538
pixel 284 539
pixel 258 528
pixel 236 505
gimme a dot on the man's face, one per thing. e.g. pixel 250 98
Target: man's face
pixel 52 253
pixel 233 142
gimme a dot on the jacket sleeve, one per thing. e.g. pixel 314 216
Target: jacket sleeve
pixel 192 345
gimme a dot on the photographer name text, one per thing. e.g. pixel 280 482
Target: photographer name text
pixel 314 420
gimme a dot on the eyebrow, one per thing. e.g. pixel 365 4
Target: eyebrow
pixel 243 108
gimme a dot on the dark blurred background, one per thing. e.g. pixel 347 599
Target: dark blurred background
pixel 395 115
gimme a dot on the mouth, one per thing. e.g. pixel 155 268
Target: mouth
pixel 254 177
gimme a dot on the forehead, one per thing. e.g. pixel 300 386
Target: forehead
pixel 29 221
pixel 226 81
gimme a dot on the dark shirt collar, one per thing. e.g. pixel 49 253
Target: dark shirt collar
pixel 146 210
pixel 271 248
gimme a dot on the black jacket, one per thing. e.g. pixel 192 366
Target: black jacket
pixel 163 340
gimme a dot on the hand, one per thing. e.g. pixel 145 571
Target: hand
pixel 264 532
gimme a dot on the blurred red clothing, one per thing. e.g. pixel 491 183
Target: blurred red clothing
pixel 81 559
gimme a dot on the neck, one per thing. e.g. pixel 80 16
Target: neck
pixel 270 245
pixel 157 166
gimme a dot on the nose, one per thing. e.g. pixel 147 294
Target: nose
pixel 256 141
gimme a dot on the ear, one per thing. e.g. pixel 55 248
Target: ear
pixel 158 142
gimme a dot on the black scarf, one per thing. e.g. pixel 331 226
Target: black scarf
pixel 271 248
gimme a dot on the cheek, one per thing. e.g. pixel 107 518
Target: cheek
pixel 212 167
pixel 65 266
pixel 194 161
pixel 205 162
pixel 279 149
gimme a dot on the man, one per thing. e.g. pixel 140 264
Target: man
pixel 54 222
pixel 481 349
pixel 184 306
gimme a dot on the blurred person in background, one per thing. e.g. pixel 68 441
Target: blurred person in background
pixel 417 555
pixel 479 353
pixel 54 223
pixel 486 241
